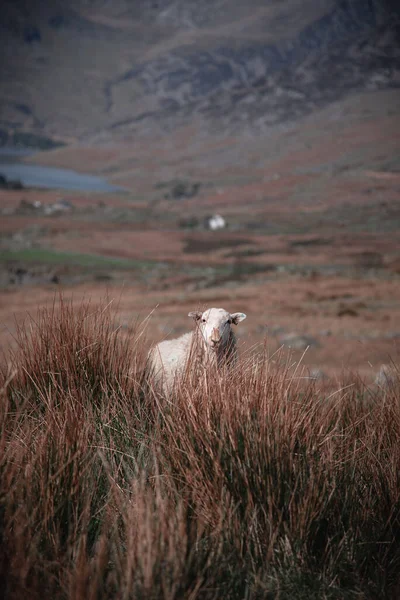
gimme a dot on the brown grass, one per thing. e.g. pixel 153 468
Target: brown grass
pixel 248 484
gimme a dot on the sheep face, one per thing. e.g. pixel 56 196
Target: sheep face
pixel 215 325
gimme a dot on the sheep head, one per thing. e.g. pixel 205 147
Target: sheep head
pixel 215 325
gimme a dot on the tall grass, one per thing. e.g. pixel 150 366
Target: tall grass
pixel 244 485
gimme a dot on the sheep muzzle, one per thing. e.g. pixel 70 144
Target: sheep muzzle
pixel 215 337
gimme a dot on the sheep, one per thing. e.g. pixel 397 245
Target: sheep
pixel 211 343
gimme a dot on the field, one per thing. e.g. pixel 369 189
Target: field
pixel 311 251
pixel 256 483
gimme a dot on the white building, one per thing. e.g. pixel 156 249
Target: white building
pixel 216 222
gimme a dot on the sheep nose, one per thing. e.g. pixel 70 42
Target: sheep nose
pixel 215 337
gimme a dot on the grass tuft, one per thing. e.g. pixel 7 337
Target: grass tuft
pixel 247 484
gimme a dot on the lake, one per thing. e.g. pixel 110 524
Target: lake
pixel 50 177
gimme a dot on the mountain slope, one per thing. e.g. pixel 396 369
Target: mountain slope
pixel 104 70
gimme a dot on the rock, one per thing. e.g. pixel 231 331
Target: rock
pixel 64 204
pixel 57 21
pixel 271 330
pixel 25 207
pixel 19 241
pixel 262 329
pixel 387 376
pixel 392 335
pixel 318 375
pixel 61 205
pixel 325 333
pixel 32 34
pixel 298 342
pixel 10 184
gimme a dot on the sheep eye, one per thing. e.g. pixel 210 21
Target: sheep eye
pixel 229 321
pixel 203 320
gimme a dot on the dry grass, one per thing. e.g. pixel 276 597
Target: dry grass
pixel 253 484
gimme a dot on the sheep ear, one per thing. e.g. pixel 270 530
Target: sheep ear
pixel 196 315
pixel 237 317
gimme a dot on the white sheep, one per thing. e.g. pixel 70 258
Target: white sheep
pixel 211 343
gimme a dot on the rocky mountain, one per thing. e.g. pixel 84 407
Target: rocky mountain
pixel 100 70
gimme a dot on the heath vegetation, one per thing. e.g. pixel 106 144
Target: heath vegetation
pixel 252 483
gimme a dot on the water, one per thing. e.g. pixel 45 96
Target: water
pixel 51 177
pixel 6 151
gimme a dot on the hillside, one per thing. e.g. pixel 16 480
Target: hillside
pixel 97 71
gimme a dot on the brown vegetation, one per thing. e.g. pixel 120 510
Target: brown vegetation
pixel 256 484
pixel 311 247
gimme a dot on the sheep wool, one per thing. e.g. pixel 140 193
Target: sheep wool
pixel 212 343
